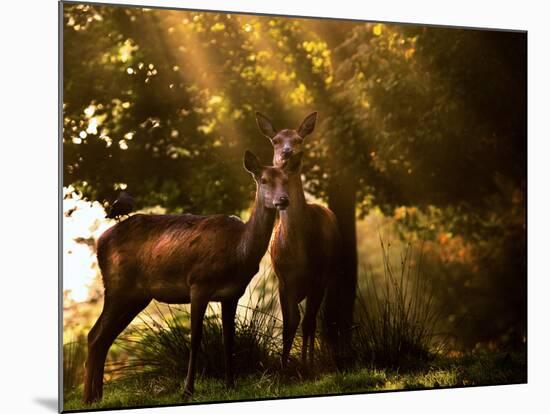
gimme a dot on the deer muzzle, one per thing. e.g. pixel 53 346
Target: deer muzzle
pixel 281 203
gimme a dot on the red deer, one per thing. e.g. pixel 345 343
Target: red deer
pixel 305 243
pixel 183 259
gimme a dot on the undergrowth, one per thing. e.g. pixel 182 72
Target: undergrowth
pixel 396 317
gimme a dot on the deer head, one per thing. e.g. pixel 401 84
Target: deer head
pixel 287 141
pixel 272 182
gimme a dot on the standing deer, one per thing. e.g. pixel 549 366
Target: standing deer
pixel 183 259
pixel 305 242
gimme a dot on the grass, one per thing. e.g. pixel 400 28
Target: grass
pixel 468 370
pixel 74 355
pixel 396 317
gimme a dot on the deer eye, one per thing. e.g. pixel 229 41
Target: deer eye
pixel 263 180
pixel 276 141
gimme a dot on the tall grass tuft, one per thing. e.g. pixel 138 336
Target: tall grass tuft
pixel 74 355
pixel 396 318
pixel 159 346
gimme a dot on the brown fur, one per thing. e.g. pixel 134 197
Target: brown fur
pixel 157 250
pixel 181 259
pixel 303 250
pixel 304 246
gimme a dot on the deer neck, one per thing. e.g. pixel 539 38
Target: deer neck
pixel 293 218
pixel 257 233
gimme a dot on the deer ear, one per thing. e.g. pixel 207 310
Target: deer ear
pixel 308 125
pixel 252 164
pixel 294 163
pixel 265 125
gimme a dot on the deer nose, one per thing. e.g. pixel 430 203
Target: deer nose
pixel 282 203
pixel 287 152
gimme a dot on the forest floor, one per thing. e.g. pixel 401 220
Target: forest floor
pixel 468 370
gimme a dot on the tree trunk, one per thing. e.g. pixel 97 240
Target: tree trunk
pixel 339 306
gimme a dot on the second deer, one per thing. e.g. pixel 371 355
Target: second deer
pixel 304 245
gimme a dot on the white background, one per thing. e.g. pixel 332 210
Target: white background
pixel 28 217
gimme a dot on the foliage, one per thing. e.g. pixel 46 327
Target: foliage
pixel 429 112
pixel 162 102
pixel 396 320
pixel 418 108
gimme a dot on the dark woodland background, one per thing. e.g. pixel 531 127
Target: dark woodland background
pixel 422 127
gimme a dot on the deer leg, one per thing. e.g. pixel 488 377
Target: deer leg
pixel 291 320
pixel 91 392
pixel 116 316
pixel 198 308
pixel 229 309
pixel 306 332
pixel 305 341
pixel 309 325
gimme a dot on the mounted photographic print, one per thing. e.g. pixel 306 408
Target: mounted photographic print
pixel 262 206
